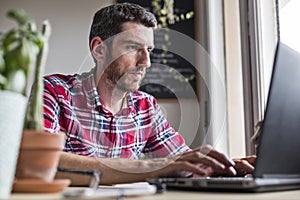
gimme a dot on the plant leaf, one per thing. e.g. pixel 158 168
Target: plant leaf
pixel 19 15
pixel 16 81
pixel 2 62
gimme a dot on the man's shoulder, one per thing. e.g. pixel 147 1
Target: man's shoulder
pixel 69 81
pixel 61 79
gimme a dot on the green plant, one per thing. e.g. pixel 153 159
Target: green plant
pixel 23 52
pixel 164 11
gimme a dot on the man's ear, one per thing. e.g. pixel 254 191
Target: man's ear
pixel 97 47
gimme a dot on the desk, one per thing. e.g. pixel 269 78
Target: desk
pixel 181 195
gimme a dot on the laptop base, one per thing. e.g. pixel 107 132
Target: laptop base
pixel 228 184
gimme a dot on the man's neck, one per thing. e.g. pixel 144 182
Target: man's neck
pixel 113 98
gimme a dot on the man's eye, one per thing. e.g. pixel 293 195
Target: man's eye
pixel 132 47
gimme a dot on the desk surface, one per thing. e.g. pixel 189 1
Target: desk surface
pixel 179 195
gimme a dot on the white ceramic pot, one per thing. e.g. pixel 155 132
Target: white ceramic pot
pixel 12 113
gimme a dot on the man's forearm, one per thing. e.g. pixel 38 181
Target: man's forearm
pixel 113 170
pixel 121 170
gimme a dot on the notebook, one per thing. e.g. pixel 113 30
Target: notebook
pixel 278 157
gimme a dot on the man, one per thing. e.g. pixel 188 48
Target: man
pixel 109 124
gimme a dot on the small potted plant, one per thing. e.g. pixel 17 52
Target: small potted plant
pixel 23 52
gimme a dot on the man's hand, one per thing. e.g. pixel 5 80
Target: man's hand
pixel 200 162
pixel 245 166
pixel 206 161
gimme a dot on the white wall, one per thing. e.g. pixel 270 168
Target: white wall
pixel 219 132
pixel 70 21
pixel 234 78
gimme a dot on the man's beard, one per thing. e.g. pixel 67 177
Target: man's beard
pixel 122 81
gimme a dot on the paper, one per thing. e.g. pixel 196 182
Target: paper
pixel 119 190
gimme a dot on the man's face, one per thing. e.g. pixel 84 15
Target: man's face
pixel 129 56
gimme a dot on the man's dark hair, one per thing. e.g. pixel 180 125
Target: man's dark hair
pixel 108 21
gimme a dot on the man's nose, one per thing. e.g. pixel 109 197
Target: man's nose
pixel 144 58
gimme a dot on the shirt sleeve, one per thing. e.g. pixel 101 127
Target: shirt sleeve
pixel 164 140
pixel 51 108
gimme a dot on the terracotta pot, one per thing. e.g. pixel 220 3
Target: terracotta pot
pixel 39 155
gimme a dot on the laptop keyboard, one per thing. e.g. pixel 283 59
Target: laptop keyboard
pixel 217 182
pixel 228 181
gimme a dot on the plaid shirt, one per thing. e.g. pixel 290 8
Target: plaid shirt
pixel 73 105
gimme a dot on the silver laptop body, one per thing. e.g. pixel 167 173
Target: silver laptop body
pixel 278 158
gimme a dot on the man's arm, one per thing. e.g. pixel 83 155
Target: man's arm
pixel 118 170
pixel 113 170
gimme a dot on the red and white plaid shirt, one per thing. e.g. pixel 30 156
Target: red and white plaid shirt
pixel 73 105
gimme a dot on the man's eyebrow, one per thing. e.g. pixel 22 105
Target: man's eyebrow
pixel 133 42
pixel 136 43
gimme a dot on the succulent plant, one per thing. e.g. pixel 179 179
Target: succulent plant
pixel 23 52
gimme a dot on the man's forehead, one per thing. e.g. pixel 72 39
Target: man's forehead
pixel 136 32
pixel 127 26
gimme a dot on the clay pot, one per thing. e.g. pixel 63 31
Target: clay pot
pixel 39 155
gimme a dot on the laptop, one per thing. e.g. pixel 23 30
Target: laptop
pixel 278 157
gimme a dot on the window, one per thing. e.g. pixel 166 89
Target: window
pixel 259 38
pixel 289 16
pixel 241 41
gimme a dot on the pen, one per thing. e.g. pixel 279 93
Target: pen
pixel 95 175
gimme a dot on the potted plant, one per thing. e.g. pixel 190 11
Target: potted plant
pixel 23 52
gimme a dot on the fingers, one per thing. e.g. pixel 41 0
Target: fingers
pixel 250 159
pixel 206 161
pixel 210 157
pixel 245 166
pixel 222 158
pixel 182 168
pixel 198 157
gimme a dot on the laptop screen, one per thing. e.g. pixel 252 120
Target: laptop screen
pixel 278 150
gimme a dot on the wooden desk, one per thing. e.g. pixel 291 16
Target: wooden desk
pixel 181 195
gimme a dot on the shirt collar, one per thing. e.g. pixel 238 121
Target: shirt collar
pixel 93 97
pixel 89 88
